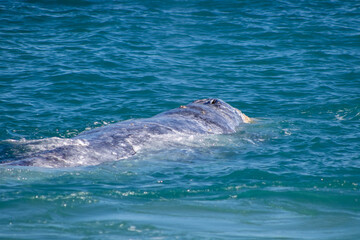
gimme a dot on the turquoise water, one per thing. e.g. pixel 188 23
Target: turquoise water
pixel 70 66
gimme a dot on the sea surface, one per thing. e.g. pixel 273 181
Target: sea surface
pixel 292 65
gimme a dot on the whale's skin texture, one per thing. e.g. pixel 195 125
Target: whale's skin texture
pixel 120 140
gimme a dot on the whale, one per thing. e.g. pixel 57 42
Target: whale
pixel 123 139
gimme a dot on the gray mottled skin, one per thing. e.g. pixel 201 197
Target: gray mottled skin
pixel 117 141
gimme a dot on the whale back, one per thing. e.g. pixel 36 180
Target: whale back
pixel 126 138
pixel 211 113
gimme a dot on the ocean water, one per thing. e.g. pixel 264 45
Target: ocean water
pixel 294 66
